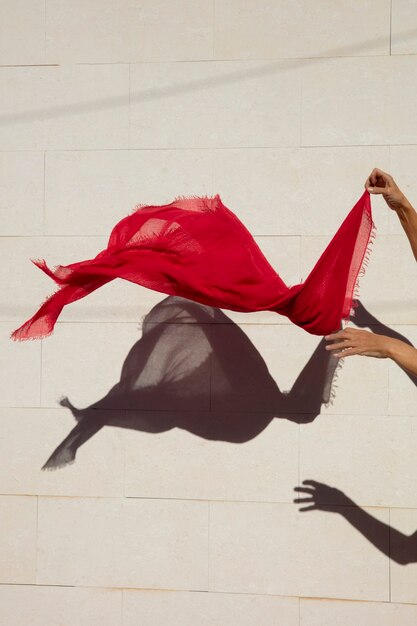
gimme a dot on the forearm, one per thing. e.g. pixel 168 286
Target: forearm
pixel 403 354
pixel 374 530
pixel 408 219
pixel 395 545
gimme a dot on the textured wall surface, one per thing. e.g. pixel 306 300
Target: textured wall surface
pixel 179 506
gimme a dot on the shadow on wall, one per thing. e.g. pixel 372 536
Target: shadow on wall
pixel 267 69
pixel 194 369
pixel 363 319
pixel 320 497
pixel 317 496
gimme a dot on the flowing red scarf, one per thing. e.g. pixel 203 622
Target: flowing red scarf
pixel 198 249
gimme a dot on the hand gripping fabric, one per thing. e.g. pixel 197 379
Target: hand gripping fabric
pixel 198 249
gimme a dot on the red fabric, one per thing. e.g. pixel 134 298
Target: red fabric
pixel 198 249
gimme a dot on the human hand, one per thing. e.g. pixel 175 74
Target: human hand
pixel 352 341
pixel 379 182
pixel 320 497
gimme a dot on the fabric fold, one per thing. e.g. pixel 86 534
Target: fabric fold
pixel 197 248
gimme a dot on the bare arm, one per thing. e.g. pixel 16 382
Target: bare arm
pixel 352 341
pixel 408 218
pixel 379 182
pixel 404 355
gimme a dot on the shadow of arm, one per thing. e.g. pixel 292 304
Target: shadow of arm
pixel 395 545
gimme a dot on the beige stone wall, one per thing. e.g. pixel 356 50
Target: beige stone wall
pixel 283 108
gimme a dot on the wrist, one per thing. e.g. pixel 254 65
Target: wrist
pixel 404 208
pixel 392 347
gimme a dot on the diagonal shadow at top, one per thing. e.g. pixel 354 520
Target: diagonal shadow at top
pixel 271 68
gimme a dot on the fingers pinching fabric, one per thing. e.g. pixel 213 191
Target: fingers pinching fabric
pixel 198 249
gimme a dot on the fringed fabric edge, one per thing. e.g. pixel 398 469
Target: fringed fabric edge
pixel 355 298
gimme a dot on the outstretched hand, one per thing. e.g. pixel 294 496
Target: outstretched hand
pixel 379 182
pixel 320 497
pixel 352 341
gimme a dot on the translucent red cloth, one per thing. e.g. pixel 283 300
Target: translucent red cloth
pixel 197 248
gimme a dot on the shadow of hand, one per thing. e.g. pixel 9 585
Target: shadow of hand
pixel 321 497
pixel 396 545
